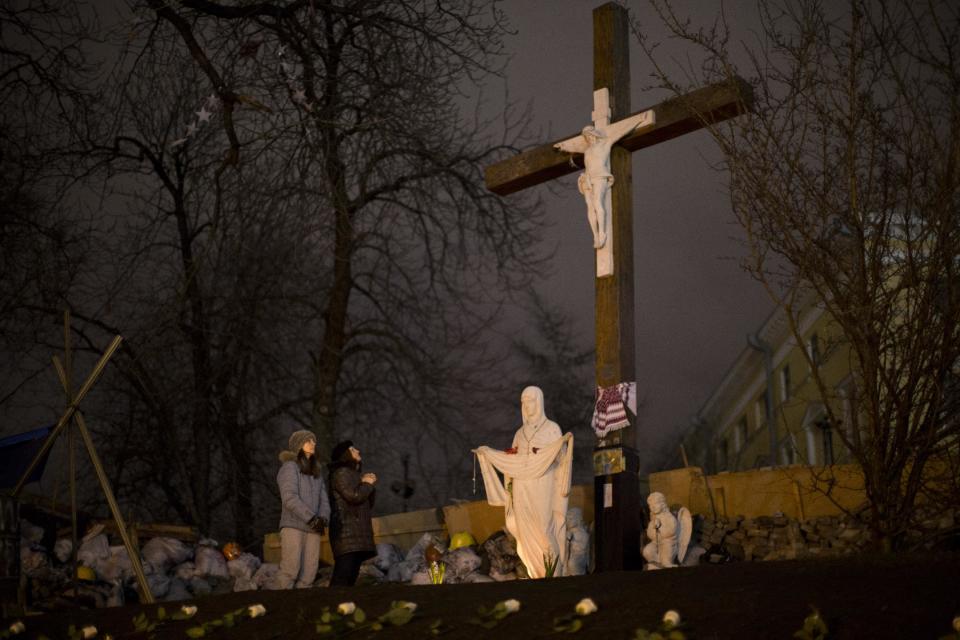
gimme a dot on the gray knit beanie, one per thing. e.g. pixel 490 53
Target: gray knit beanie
pixel 300 438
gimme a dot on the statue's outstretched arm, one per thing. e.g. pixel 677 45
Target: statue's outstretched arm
pixel 617 130
pixel 572 145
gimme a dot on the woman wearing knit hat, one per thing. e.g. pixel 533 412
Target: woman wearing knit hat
pixel 304 514
pixel 351 526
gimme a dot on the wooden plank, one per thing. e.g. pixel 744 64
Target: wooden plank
pixel 675 117
pixel 143 531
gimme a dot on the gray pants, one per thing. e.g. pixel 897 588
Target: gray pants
pixel 299 557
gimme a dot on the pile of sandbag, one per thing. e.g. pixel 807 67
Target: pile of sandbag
pixel 179 571
pixel 174 569
pixel 494 560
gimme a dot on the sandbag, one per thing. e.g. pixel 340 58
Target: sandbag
pixel 420 578
pixel 177 590
pixel 159 584
pixel 33 561
pixel 199 586
pixel 416 551
pixel 460 563
pixel 266 574
pixel 93 549
pixel 116 567
pixel 387 556
pixel 243 583
pixel 164 553
pixel 403 571
pixel 209 562
pixel 63 549
pixel 185 571
pixel 30 533
pixel 243 567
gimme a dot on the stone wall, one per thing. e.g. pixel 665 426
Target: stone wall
pixel 778 537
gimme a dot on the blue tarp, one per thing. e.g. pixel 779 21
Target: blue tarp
pixel 17 451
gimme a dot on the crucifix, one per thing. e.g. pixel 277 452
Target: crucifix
pixel 608 191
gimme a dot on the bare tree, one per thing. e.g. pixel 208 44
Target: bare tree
pixel 291 230
pixel 372 88
pixel 43 75
pixel 846 179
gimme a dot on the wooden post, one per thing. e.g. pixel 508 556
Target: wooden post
pixel 616 495
pixel 71 452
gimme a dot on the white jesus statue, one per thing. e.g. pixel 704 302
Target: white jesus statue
pixel 595 143
pixel 535 488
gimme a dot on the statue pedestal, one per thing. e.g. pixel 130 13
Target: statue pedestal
pixel 617 504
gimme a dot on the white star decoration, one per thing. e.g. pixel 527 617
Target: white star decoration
pixel 207 109
pixel 212 102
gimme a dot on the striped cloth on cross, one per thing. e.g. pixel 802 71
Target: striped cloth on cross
pixel 610 408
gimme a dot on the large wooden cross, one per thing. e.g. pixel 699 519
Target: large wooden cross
pixel 617 505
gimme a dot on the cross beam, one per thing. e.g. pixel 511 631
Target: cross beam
pixel 674 117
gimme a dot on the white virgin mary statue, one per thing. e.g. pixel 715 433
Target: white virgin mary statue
pixel 535 488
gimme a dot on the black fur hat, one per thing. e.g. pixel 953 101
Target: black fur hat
pixel 339 451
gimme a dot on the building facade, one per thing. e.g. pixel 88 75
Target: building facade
pixel 768 410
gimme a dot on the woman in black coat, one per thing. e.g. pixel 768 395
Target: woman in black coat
pixel 351 524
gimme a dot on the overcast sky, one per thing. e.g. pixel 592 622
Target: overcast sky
pixel 694 305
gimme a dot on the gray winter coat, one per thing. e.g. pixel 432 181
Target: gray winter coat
pixel 303 496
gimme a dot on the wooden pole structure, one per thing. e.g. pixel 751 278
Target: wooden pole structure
pixel 71 450
pixel 68 413
pixel 132 551
pixel 72 415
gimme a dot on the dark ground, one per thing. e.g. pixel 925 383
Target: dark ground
pixel 859 597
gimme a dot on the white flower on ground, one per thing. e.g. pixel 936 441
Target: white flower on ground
pixel 671 618
pixel 511 605
pixel 585 607
pixel 88 632
pixel 406 605
pixel 256 610
pixel 18 627
pixel 346 608
pixel 188 610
